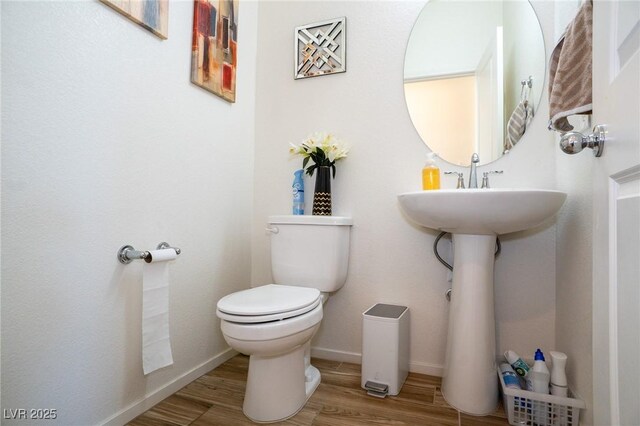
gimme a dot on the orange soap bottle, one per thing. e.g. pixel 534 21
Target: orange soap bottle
pixel 431 173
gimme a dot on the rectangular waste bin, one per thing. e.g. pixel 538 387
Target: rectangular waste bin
pixel 385 349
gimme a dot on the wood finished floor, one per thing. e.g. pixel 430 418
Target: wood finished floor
pixel 216 399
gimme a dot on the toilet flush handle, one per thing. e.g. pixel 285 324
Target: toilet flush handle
pixel 272 229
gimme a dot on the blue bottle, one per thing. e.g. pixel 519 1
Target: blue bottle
pixel 298 193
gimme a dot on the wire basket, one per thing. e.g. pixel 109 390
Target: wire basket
pixel 537 409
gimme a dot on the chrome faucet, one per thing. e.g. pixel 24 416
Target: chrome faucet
pixel 473 177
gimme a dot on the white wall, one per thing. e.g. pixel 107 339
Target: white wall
pixel 391 260
pixel 105 142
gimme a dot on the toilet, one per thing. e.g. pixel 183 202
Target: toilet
pixel 274 323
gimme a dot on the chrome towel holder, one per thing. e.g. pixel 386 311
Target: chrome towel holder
pixel 127 254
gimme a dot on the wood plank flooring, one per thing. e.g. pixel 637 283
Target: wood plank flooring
pixel 216 399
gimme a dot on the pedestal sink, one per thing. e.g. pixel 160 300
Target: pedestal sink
pixel 474 217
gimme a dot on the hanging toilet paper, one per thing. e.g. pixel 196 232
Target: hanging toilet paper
pixel 156 346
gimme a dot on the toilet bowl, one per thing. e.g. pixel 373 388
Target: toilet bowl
pixel 274 323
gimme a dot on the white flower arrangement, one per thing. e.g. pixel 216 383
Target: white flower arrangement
pixel 324 149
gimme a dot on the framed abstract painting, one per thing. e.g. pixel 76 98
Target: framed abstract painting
pixel 214 50
pixel 152 15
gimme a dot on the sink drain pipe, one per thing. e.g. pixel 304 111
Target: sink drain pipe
pixel 450 267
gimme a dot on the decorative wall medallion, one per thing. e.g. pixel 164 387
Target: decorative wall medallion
pixel 214 50
pixel 320 48
pixel 150 14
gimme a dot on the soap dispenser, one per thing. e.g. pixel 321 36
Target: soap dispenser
pixel 431 173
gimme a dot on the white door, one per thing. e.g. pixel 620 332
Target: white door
pixel 490 100
pixel 616 208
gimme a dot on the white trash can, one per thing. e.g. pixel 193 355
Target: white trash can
pixel 385 349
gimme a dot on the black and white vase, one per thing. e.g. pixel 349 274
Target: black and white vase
pixel 322 194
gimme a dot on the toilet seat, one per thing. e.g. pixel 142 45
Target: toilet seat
pixel 268 303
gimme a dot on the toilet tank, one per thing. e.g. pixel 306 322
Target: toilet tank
pixel 310 251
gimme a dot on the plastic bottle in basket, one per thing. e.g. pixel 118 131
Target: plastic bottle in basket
pixel 540 374
pixel 542 413
pixel 521 367
pixel 509 376
pixel 558 375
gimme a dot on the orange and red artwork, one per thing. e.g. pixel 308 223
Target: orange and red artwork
pixel 214 50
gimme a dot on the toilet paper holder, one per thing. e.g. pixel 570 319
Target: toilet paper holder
pixel 127 254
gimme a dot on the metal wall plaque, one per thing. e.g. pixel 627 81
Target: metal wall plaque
pixel 320 48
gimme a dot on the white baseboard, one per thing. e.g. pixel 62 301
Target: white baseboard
pixel 333 355
pixel 424 368
pixel 148 401
pixel 356 358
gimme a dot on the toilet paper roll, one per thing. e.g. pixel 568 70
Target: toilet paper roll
pixel 156 344
pixel 161 255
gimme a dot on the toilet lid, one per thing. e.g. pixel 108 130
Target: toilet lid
pixel 268 303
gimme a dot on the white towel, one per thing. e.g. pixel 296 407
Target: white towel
pixel 518 123
pixel 570 71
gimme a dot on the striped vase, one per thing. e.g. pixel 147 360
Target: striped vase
pixel 322 194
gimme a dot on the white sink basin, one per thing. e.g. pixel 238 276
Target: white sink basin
pixel 481 211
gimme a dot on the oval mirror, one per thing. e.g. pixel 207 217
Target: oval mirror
pixel 473 76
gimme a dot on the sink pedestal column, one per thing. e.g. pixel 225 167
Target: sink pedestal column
pixel 469 382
